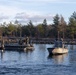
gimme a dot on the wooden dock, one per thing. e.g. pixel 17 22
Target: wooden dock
pixel 51 41
pixel 39 40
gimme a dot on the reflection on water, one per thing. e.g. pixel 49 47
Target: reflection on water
pixel 1 54
pixel 38 62
pixel 58 58
pixel 73 47
pixel 39 55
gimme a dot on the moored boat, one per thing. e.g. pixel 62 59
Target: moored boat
pixel 59 48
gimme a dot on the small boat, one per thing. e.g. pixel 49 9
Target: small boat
pixel 59 48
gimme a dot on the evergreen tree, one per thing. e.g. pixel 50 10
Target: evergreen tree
pixel 62 26
pixel 72 25
pixel 11 29
pixel 56 25
pixel 31 28
pixel 45 27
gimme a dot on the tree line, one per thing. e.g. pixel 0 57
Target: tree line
pixel 58 29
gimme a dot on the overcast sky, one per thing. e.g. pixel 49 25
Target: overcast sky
pixel 35 10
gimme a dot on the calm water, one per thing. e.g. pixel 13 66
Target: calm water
pixel 38 62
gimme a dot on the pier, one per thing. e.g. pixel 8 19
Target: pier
pixel 51 41
pixel 15 43
pixel 4 41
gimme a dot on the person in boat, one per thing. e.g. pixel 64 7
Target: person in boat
pixel 59 43
pixel 27 40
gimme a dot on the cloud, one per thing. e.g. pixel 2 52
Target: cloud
pixel 7 13
pixel 3 17
pixel 8 10
pixel 25 18
pixel 12 13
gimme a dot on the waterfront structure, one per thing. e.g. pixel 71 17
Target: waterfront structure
pixel 19 44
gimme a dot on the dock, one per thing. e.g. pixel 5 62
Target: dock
pixel 22 42
pixel 15 43
pixel 51 41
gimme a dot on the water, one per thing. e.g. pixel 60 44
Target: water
pixel 38 62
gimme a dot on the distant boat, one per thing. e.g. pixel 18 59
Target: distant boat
pixel 59 48
pixel 19 45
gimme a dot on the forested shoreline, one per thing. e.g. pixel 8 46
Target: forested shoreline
pixel 58 29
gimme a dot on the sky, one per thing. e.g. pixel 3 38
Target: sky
pixel 35 10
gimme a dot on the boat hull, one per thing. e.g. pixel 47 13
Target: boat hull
pixel 57 50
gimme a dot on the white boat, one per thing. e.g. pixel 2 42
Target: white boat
pixel 58 48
